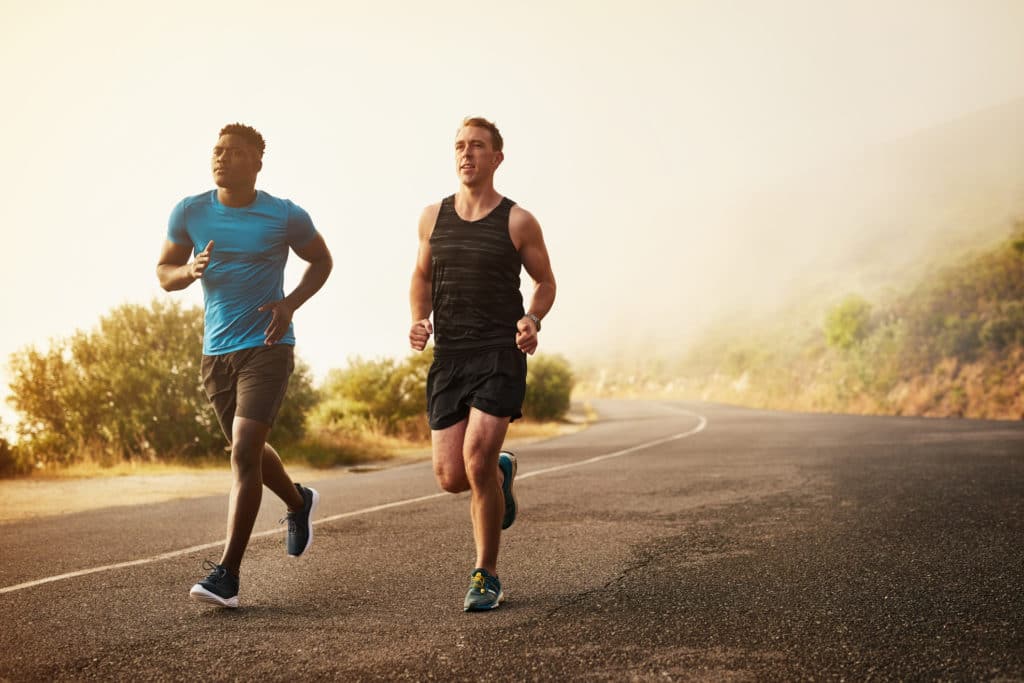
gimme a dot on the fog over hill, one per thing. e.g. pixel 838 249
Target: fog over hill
pixel 868 225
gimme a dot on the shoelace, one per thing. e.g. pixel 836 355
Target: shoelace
pixel 482 584
pixel 216 571
pixel 290 518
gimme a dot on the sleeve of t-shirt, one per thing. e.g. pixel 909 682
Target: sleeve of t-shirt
pixel 300 227
pixel 177 230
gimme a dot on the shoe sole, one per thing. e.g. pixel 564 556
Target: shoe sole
pixel 312 509
pixel 496 605
pixel 511 493
pixel 200 594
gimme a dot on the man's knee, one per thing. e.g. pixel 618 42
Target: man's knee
pixel 451 479
pixel 481 468
pixel 247 454
pixel 247 448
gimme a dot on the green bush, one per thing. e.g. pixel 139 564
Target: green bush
pixel 549 383
pixel 384 396
pixel 876 362
pixel 330 447
pixel 1005 327
pixel 848 323
pixel 388 397
pixel 11 463
pixel 958 336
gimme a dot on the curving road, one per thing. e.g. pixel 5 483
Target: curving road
pixel 669 541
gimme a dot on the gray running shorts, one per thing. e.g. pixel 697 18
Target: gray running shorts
pixel 248 383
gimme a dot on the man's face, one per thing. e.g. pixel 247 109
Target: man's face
pixel 235 163
pixel 475 158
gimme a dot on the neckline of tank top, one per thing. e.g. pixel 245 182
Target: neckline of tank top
pixel 482 218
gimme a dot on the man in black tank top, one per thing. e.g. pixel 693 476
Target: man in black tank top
pixel 472 248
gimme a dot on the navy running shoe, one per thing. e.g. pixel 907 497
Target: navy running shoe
pixel 300 522
pixel 220 587
pixel 507 463
pixel 484 592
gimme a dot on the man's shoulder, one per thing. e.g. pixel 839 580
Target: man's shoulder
pixel 281 204
pixel 436 206
pixel 523 228
pixel 517 214
pixel 201 199
pixel 431 211
pixel 264 197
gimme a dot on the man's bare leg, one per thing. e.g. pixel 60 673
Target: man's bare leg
pixel 277 480
pixel 449 465
pixel 466 458
pixel 248 438
pixel 484 436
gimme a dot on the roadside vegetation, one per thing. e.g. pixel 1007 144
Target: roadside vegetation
pixel 951 344
pixel 128 392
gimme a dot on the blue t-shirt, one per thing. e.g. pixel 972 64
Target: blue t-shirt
pixel 246 268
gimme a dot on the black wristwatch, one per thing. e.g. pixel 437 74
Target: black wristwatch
pixel 535 319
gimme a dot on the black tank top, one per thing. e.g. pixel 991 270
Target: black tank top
pixel 475 281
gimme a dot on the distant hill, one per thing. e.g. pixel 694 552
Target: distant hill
pixel 879 220
pixel 950 344
pixel 903 227
pixel 868 225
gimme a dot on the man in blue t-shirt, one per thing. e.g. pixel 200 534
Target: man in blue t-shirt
pixel 238 239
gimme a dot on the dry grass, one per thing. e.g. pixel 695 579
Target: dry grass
pixel 320 450
pixel 991 387
pixel 90 469
pixel 521 430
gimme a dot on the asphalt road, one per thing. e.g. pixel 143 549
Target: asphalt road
pixel 753 546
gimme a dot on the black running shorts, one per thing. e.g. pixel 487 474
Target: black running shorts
pixel 493 381
pixel 248 383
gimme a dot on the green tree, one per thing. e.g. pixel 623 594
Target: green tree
pixel 848 323
pixel 549 383
pixel 129 388
pixel 958 335
pixel 1005 326
pixel 10 462
pixel 949 311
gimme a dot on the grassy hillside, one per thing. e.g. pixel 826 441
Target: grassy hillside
pixel 952 344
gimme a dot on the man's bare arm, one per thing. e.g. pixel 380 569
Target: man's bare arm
pixel 529 241
pixel 316 253
pixel 174 271
pixel 318 256
pixel 420 288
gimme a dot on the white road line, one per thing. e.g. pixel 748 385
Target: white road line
pixel 607 456
pixel 365 511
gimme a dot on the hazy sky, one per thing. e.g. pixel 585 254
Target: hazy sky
pixel 629 128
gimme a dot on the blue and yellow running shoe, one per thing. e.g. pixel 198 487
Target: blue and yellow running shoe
pixel 484 592
pixel 508 465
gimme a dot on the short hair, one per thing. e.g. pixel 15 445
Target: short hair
pixel 479 122
pixel 251 135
